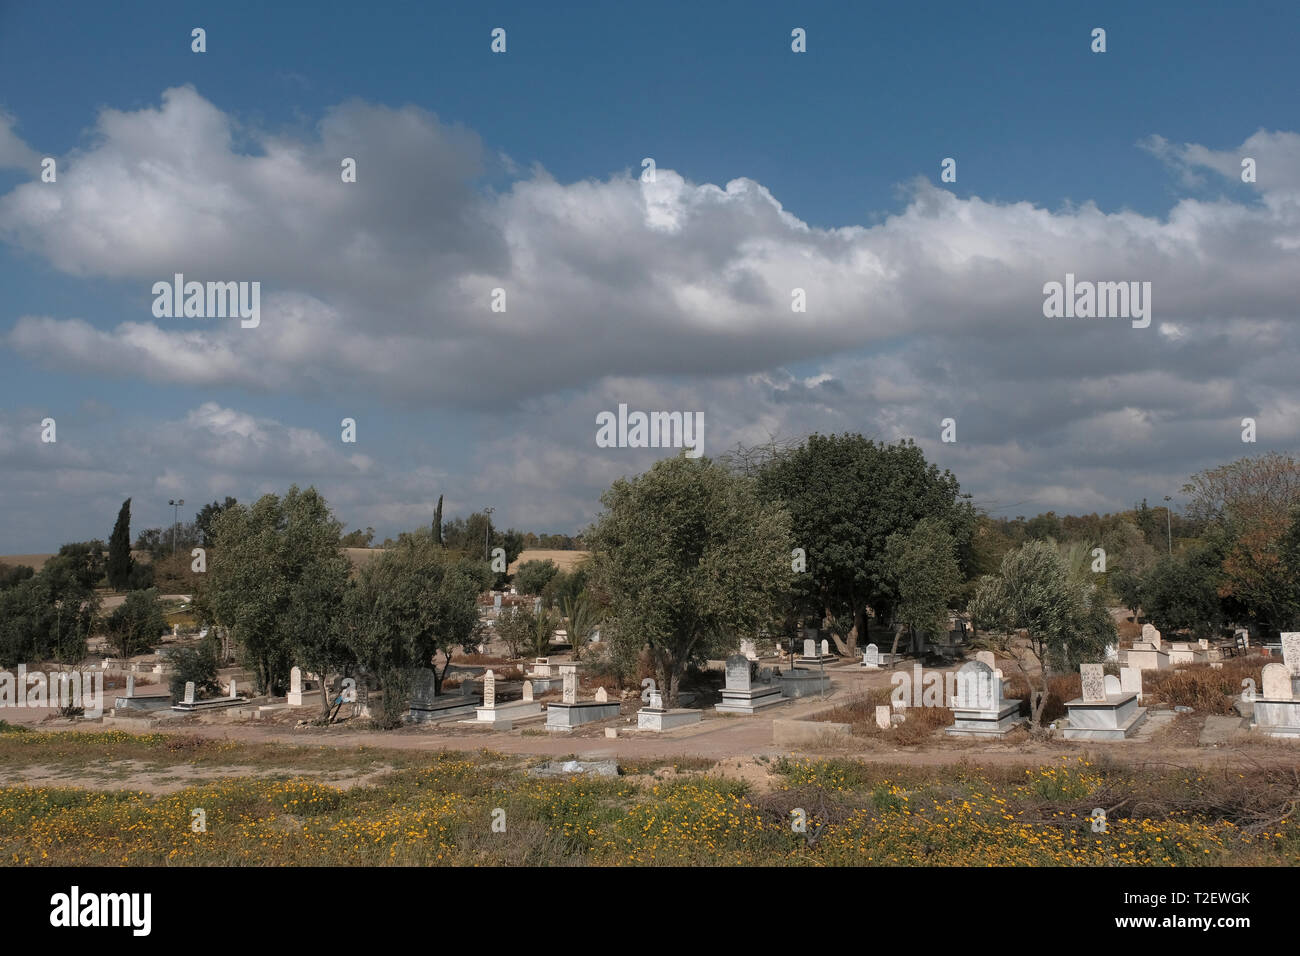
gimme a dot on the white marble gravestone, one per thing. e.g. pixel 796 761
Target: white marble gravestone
pixel 295 687
pixel 1093 678
pixel 871 657
pixel 1151 635
pixel 528 690
pixel 1291 652
pixel 602 695
pixel 1130 681
pixel 1113 685
pixel 189 692
pixel 988 659
pixel 570 695
pixel 883 713
pixel 130 685
pixel 809 648
pixel 489 690
pixel 1276 682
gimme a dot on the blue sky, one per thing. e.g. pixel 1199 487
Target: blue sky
pixel 837 137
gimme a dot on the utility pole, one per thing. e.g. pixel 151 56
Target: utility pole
pixel 1169 525
pixel 176 504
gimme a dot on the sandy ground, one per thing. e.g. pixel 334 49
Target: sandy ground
pixel 742 745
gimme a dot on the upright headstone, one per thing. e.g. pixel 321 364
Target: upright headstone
pixel 809 648
pixel 826 648
pixel 978 687
pixel 295 680
pixel 883 713
pixel 1151 635
pixel 602 695
pixel 738 672
pixel 496 601
pixel 189 692
pixel 1277 682
pixel 656 700
pixel 130 685
pixel 528 690
pixel 988 659
pixel 233 691
pixel 537 605
pixel 1130 680
pixel 489 689
pixel 570 695
pixel 1093 677
pixel 871 656
pixel 1291 652
pixel 1113 685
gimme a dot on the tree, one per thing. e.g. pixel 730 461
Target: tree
pixel 266 576
pixel 118 568
pixel 922 567
pixel 1247 506
pixel 437 523
pixel 581 615
pixel 531 577
pixel 412 603
pixel 358 538
pixel 846 496
pixel 203 521
pixel 1181 591
pixel 151 540
pixel 136 623
pixel 691 559
pixel 50 613
pixel 198 664
pixel 11 575
pixel 1065 619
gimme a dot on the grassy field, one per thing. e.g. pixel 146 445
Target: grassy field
pixel 433 808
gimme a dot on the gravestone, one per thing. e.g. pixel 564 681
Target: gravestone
pixel 496 602
pixel 1151 635
pixel 656 700
pixel 742 694
pixel 1093 678
pixel 489 690
pixel 602 695
pixel 987 658
pixel 1276 682
pixel 1113 685
pixel 883 713
pixel 528 690
pixel 295 687
pixel 130 685
pixel 978 708
pixel 871 657
pixel 232 689
pixel 1291 652
pixel 189 692
pixel 570 695
pixel 738 672
pixel 809 648
pixel 1130 680
pixel 826 648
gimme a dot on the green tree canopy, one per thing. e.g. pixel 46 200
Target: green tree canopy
pixel 691 560
pixel 119 564
pixel 846 496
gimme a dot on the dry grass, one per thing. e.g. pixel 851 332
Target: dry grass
pixel 860 713
pixel 564 560
pixel 1201 687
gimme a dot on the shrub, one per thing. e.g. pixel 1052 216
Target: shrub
pixel 197 664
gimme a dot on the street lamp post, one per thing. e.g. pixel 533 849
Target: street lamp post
pixel 176 504
pixel 1169 525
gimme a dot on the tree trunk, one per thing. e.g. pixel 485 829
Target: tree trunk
pixel 893 649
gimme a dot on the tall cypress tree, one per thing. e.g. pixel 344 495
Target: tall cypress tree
pixel 437 523
pixel 118 569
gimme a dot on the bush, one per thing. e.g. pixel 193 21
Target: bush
pixel 533 576
pixel 197 664
pixel 1202 687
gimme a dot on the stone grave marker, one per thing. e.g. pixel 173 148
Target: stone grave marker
pixel 1113 686
pixel 987 658
pixel 490 690
pixel 871 656
pixel 528 690
pixel 1093 677
pixel 1291 652
pixel 130 685
pixel 738 673
pixel 570 695
pixel 883 713
pixel 809 648
pixel 1277 682
pixel 189 692
pixel 1130 680
pixel 602 696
